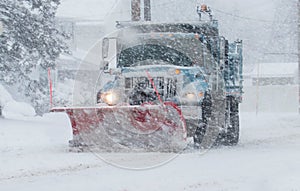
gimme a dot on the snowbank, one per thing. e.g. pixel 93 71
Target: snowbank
pixel 17 110
pixel 12 109
pixel 4 96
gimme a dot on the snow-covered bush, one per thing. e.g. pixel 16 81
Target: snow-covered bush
pixel 17 110
pixel 29 45
pixel 9 108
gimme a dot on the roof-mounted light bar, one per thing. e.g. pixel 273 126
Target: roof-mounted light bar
pixel 204 9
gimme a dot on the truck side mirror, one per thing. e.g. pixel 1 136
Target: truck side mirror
pixel 109 51
pixel 105 48
pixel 224 50
pixel 222 44
pixel 104 66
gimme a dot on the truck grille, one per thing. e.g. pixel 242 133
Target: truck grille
pixel 165 86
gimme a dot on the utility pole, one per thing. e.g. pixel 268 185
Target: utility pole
pixel 299 55
pixel 1 30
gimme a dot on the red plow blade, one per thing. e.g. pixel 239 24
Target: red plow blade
pixel 147 127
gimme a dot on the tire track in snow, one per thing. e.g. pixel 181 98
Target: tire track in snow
pixel 270 140
pixel 36 173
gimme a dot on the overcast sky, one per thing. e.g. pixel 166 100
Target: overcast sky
pixel 266 26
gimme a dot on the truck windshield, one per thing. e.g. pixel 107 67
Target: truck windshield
pixel 134 56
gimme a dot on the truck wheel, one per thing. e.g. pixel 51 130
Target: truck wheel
pixel 231 136
pixel 206 114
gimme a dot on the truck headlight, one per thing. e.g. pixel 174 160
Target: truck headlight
pixel 193 96
pixel 110 98
pixel 190 96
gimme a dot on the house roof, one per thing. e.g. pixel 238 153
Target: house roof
pixel 275 69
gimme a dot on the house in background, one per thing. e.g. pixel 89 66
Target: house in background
pixel 83 33
pixel 265 74
pixel 84 22
pixel 271 87
pixel 87 22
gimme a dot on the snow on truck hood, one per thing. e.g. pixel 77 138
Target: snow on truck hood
pixel 169 70
pixel 160 68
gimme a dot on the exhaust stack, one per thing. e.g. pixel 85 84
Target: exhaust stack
pixel 135 10
pixel 147 10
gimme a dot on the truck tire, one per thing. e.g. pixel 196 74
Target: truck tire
pixel 231 136
pixel 203 123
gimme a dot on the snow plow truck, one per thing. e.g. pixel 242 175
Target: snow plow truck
pixel 172 84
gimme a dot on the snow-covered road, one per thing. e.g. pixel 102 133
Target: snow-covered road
pixel 34 156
